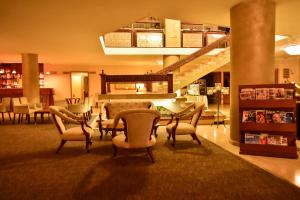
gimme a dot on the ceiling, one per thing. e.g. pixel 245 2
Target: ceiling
pixel 66 31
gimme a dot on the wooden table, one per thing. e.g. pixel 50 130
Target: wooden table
pixel 41 112
pixel 109 127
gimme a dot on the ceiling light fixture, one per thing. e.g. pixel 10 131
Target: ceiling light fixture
pixel 293 49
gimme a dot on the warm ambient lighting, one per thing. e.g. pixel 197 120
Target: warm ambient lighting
pixel 293 49
pixel 47 73
pixel 14 72
pixel 280 37
pixel 217 36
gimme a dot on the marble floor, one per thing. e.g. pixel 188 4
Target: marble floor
pixel 288 169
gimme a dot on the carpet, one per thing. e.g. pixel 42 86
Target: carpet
pixel 29 169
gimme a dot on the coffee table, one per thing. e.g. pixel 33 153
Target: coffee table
pixel 109 127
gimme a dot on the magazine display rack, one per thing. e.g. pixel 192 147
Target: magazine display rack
pixel 267 120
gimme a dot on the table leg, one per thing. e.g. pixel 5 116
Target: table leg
pixel 35 118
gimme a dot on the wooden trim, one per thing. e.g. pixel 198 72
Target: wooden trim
pixel 148 78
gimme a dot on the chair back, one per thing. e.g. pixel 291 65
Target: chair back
pixel 15 101
pixel 113 108
pixel 6 103
pixel 56 116
pixel 139 125
pixel 197 113
pixel 23 100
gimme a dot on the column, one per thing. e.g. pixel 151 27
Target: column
pixel 252 51
pixel 169 60
pixel 30 77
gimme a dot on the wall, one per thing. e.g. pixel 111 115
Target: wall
pixel 62 82
pixel 172 33
pixel 293 64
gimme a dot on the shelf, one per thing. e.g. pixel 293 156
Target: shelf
pixel 267 104
pixel 287 130
pixel 269 150
pixel 268 127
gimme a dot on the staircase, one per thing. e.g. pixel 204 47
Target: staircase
pixel 200 63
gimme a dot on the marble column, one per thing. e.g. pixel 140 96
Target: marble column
pixel 252 51
pixel 30 77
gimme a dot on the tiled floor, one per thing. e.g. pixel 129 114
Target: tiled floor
pixel 288 169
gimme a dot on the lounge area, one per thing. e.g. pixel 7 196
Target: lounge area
pixel 150 100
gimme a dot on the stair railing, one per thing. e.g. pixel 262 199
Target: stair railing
pixel 216 44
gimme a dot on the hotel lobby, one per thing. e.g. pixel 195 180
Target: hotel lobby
pixel 149 100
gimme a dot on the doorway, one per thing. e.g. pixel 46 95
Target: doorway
pixel 79 84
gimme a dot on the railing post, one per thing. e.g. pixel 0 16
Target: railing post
pixel 170 83
pixel 103 83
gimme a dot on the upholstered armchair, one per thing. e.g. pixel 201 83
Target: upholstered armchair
pixel 80 108
pixel 33 106
pixel 21 109
pixel 185 128
pixel 113 108
pixel 84 132
pixel 139 125
pixel 5 107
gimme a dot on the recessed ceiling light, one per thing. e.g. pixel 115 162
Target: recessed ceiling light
pixel 293 49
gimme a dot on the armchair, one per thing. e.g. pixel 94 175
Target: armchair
pixel 113 108
pixel 185 128
pixel 21 109
pixel 83 132
pixel 5 107
pixel 139 125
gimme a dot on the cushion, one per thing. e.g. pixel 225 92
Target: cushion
pixel 182 128
pixel 76 134
pixel 119 141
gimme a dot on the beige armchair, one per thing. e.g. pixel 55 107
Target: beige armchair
pixel 5 107
pixel 80 108
pixel 139 125
pixel 34 106
pixel 83 132
pixel 21 109
pixel 114 107
pixel 185 128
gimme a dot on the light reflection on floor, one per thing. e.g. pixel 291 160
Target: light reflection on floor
pixel 288 169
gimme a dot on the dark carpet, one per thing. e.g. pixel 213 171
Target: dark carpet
pixel 29 169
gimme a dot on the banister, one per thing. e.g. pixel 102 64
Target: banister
pixel 195 55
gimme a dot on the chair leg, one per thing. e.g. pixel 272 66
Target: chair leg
pixel 9 116
pixel 28 118
pixel 19 119
pixel 62 143
pixel 174 138
pixel 149 151
pixel 3 117
pixel 14 120
pixel 87 145
pixel 169 136
pixel 194 136
pixel 115 150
